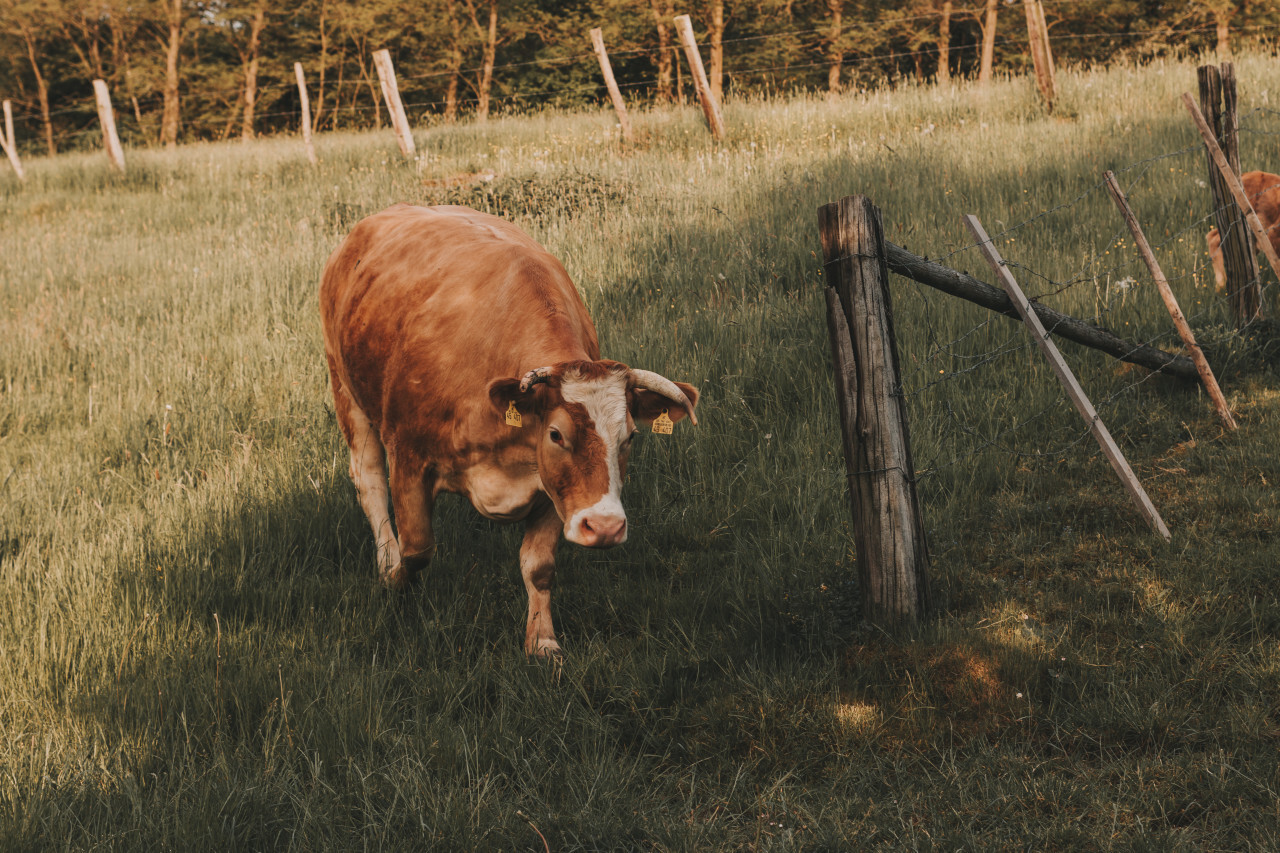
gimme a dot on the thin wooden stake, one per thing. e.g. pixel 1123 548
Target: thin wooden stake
pixel 615 94
pixel 1048 48
pixel 391 93
pixel 1038 42
pixel 1068 380
pixel 1171 303
pixel 1233 184
pixel 9 141
pixel 306 112
pixel 110 141
pixel 710 107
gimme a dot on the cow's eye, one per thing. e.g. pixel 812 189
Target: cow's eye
pixel 556 436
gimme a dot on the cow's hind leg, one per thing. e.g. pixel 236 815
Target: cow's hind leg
pixel 538 568
pixel 1214 241
pixel 369 474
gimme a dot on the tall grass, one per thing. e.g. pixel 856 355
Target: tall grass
pixel 197 653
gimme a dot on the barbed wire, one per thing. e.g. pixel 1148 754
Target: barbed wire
pixel 1016 341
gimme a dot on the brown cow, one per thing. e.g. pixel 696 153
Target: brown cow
pixel 460 352
pixel 1263 191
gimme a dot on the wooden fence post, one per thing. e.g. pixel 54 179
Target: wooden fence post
pixel 10 142
pixel 710 107
pixel 1068 379
pixel 893 556
pixel 1041 58
pixel 1239 258
pixel 110 141
pixel 1171 303
pixel 391 94
pixel 306 112
pixel 1236 188
pixel 620 106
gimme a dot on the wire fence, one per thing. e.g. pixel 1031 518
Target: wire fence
pixel 941 375
pixel 354 98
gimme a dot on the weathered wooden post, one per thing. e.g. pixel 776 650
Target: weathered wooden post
pixel 110 141
pixel 10 142
pixel 391 94
pixel 888 529
pixel 1236 188
pixel 306 112
pixel 1218 106
pixel 615 94
pixel 1041 56
pixel 1171 303
pixel 710 107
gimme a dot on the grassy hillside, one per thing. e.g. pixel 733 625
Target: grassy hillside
pixel 198 655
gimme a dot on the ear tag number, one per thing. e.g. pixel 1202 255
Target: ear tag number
pixel 662 424
pixel 513 415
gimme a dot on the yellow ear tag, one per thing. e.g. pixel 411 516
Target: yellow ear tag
pixel 513 415
pixel 662 424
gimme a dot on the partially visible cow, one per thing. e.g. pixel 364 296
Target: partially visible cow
pixel 461 354
pixel 1263 191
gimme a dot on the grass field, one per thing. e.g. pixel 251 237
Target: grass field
pixel 197 654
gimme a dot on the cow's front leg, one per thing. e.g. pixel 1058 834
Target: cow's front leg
pixel 411 500
pixel 538 568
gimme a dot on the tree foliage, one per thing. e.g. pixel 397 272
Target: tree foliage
pixel 539 50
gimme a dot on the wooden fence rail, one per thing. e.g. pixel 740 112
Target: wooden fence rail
pixel 941 277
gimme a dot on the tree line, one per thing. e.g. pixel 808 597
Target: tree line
pixel 213 69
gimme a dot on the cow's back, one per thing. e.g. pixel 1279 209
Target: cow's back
pixel 423 306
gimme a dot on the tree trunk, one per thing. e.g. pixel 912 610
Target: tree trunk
pixel 375 91
pixel 1221 20
pixel 251 69
pixel 337 89
pixel 988 42
pixel 455 64
pixel 169 124
pixel 486 72
pixel 944 44
pixel 662 13
pixel 835 53
pixel 42 90
pixel 716 33
pixel 324 56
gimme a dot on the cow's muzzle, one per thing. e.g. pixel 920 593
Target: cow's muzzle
pixel 600 526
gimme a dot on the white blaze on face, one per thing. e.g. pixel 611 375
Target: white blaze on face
pixel 604 522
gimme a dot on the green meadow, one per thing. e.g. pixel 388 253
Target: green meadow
pixel 197 653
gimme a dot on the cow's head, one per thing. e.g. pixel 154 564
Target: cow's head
pixel 584 414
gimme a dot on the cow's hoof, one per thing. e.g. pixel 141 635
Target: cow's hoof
pixel 545 649
pixel 397 578
pixel 402 575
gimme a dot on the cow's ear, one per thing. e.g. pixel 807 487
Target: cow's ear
pixel 646 405
pixel 503 392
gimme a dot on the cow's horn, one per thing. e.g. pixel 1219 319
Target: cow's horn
pixel 662 385
pixel 533 377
